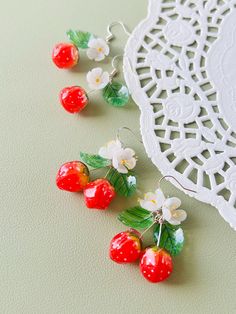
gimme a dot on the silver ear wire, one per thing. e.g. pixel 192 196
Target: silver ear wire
pixel 115 70
pixel 110 35
pixel 184 188
pixel 118 137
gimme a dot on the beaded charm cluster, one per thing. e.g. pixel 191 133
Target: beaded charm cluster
pixel 117 161
pixel 154 211
pixel 67 55
pixel 164 217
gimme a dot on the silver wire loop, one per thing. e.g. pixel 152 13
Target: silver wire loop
pixel 114 64
pixel 110 35
pixel 118 136
pixel 184 188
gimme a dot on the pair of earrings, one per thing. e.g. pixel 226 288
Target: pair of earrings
pixel 66 55
pixel 153 211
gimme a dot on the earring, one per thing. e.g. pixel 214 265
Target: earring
pixel 164 217
pixel 74 99
pixel 118 162
pixel 66 55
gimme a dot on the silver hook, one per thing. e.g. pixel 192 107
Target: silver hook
pixel 110 35
pixel 186 189
pixel 114 66
pixel 118 137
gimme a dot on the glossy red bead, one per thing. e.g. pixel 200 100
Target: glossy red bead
pixel 72 176
pixel 125 247
pixel 73 99
pixel 156 264
pixel 65 55
pixel 99 194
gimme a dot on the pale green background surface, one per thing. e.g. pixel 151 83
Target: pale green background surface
pixel 53 250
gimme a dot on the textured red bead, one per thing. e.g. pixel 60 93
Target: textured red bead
pixel 72 176
pixel 73 99
pixel 65 55
pixel 125 247
pixel 99 194
pixel 156 264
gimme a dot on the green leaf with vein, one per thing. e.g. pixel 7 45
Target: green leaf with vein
pixel 124 184
pixel 79 38
pixel 136 217
pixel 172 238
pixel 94 161
pixel 116 94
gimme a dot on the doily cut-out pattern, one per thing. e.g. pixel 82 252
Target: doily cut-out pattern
pixel 180 67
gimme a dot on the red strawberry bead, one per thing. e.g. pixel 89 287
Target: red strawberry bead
pixel 156 264
pixel 74 99
pixel 125 247
pixel 72 176
pixel 99 194
pixel 65 55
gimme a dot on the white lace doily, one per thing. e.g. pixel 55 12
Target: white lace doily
pixel 180 67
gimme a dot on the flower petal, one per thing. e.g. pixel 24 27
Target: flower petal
pixel 174 222
pixel 106 50
pixel 89 76
pixel 103 152
pixel 172 203
pixel 105 79
pixel 180 215
pixel 149 196
pixel 99 57
pixel 101 42
pixel 91 53
pixel 122 169
pixel 129 153
pixel 131 163
pixel 94 86
pixel 167 215
pixel 97 72
pixel 115 162
pixel 92 43
pixel 110 149
pixel 148 205
pixel 160 197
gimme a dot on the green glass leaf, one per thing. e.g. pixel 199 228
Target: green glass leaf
pixel 116 94
pixel 94 161
pixel 124 184
pixel 79 38
pixel 136 217
pixel 172 238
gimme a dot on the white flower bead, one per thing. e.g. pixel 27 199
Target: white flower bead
pixel 98 49
pixel 97 79
pixel 153 201
pixel 124 160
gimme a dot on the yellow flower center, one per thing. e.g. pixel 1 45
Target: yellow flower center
pixel 123 161
pixel 100 49
pixel 153 201
pixel 98 80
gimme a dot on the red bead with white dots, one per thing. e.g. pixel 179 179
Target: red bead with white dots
pixel 98 194
pixel 73 99
pixel 156 264
pixel 125 247
pixel 72 176
pixel 65 55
